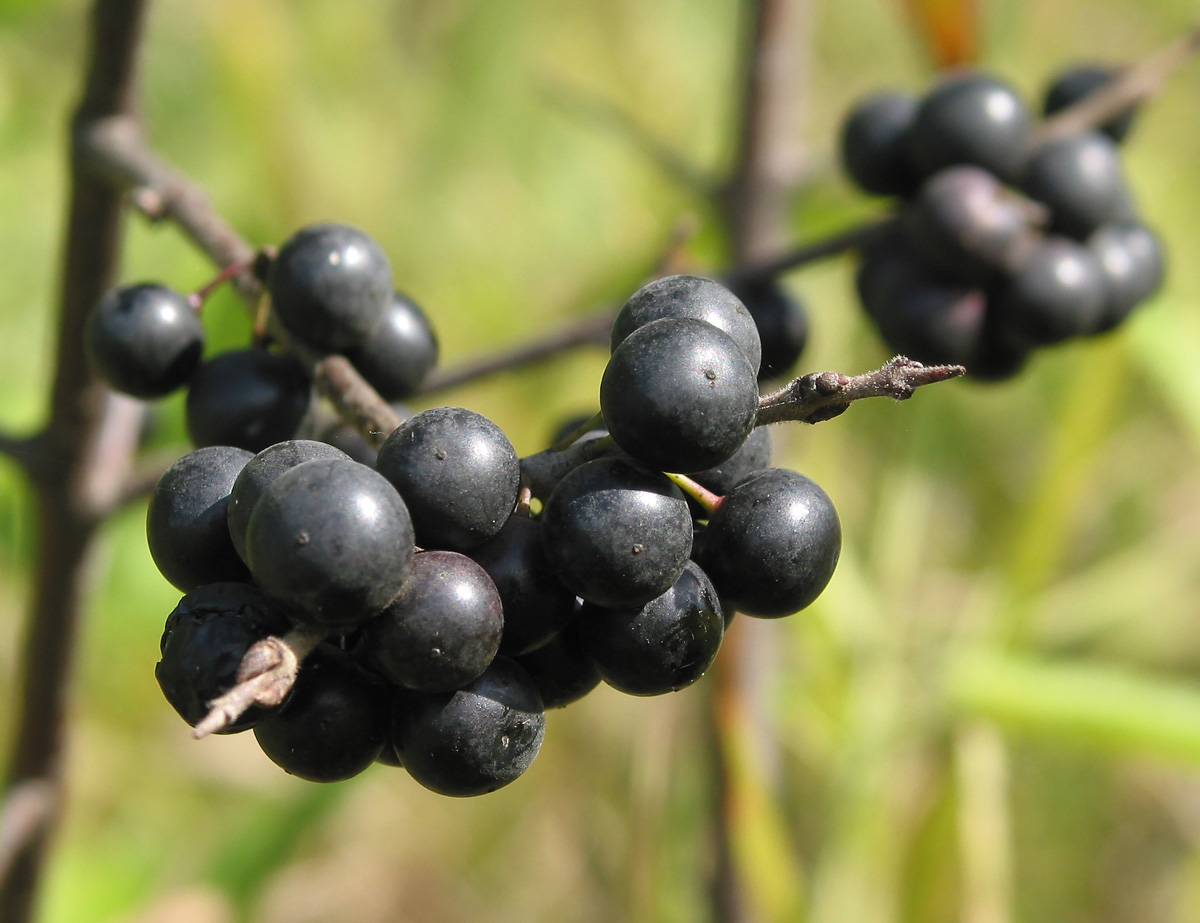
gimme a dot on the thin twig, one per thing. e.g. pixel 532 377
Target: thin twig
pixel 824 395
pixel 592 330
pixel 853 238
pixel 356 401
pixel 266 676
pixel 1134 85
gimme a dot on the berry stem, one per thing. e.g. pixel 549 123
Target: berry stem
pixel 852 238
pixel 356 401
pixel 822 396
pixel 227 273
pixel 544 470
pixel 593 330
pixel 267 673
pixel 698 492
pixel 1134 85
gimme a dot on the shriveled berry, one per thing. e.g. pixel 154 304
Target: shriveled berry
pixel 203 643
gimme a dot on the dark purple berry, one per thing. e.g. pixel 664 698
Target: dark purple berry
pixel 330 285
pixel 662 647
pixel 678 395
pixel 249 398
pixel 475 740
pixel 772 545
pixel 1057 293
pixel 204 641
pixel 694 297
pixel 333 539
pixel 561 668
pixel 333 725
pixel 1081 180
pixel 186 526
pixel 400 352
pixel 258 474
pixel 969 225
pixel 616 534
pixel 144 340
pixel 970 118
pixel 442 630
pixel 874 144
pixel 1082 81
pixel 1132 263
pixel 536 604
pixel 458 473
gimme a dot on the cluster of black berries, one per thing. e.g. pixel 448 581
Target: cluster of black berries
pixel 147 340
pixel 442 613
pixel 1004 242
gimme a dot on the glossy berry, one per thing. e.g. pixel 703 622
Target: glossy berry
pixel 333 539
pixel 333 725
pixel 662 647
pixel 561 668
pixel 144 340
pixel 874 144
pixel 678 395
pixel 1081 180
pixel 934 322
pixel 442 629
pixel 186 520
pixel 1058 293
pixel 782 322
pixel 330 285
pixel 458 473
pixel 615 533
pixel 400 352
pixel 536 604
pixel 1081 81
pixel 694 297
pixel 970 118
pixel 258 474
pixel 967 224
pixel 1131 261
pixel 475 740
pixel 772 546
pixel 204 641
pixel 249 398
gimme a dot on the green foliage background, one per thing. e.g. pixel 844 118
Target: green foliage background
pixel 993 712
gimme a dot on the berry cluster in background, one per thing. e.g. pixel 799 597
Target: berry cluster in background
pixel 1005 241
pixel 437 595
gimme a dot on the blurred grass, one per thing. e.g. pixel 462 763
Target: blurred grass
pixel 1035 541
